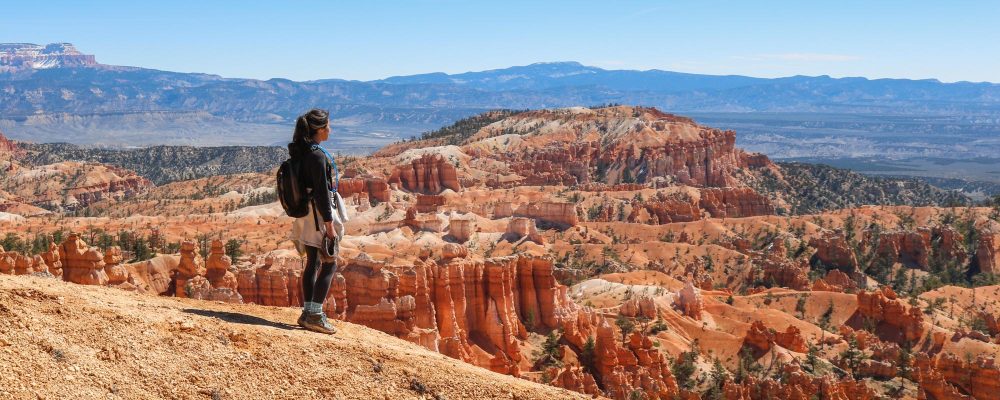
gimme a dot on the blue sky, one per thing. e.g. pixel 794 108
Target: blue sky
pixel 301 40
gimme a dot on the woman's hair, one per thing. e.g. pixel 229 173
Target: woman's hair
pixel 307 124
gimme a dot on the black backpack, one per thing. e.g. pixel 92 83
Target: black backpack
pixel 291 190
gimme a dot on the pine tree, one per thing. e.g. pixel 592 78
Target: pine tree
pixel 550 350
pixel 800 306
pixel 684 369
pixel 627 176
pixel 748 365
pixel 141 250
pixel 904 360
pixel 625 325
pixel 588 356
pixel 234 249
pixel 812 358
pixel 719 376
pixel 852 356
pixel 824 320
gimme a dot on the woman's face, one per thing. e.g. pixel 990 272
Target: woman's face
pixel 322 134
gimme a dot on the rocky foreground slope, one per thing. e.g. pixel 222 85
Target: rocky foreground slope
pixel 61 340
pixel 619 252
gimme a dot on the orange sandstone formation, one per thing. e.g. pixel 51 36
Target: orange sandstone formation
pixel 798 384
pixel 117 274
pixel 884 307
pixel 988 253
pixel 949 377
pixel 191 265
pixel 562 214
pixel 520 227
pixel 621 368
pixel 979 377
pixel 639 307
pixel 461 228
pixel 81 263
pixel 364 187
pixel 734 202
pixel 689 301
pixel 51 260
pixel 835 281
pixel 429 174
pixel 446 306
pixel 271 280
pixel 832 249
pixel 217 267
pixel 574 378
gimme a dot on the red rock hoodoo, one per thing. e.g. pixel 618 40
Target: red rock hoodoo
pixel 429 174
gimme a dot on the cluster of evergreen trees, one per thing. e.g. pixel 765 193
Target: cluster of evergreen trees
pixel 134 246
pixel 466 127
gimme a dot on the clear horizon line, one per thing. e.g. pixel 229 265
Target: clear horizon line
pixel 870 78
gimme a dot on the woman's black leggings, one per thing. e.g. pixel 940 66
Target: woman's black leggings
pixel 317 277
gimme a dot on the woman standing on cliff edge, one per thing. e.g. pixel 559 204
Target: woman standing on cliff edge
pixel 318 233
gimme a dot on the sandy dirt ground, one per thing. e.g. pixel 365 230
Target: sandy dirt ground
pixel 60 340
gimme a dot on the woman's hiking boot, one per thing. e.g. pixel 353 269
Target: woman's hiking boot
pixel 302 318
pixel 319 323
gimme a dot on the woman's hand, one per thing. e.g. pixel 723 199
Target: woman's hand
pixel 330 232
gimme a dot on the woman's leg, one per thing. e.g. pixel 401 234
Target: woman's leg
pixel 323 282
pixel 313 317
pixel 309 276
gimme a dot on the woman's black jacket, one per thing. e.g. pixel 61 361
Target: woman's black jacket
pixel 315 172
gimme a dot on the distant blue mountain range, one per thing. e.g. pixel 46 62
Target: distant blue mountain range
pixel 144 106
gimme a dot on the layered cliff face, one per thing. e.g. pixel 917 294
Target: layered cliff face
pixel 914 247
pixel 978 377
pixel 557 213
pixel 664 208
pixel 429 174
pixel 15 57
pixel 476 311
pixel 8 150
pixel 273 279
pixel 763 338
pixel 798 384
pixel 364 188
pixel 884 307
pixel 614 145
pixel 735 203
pixel 832 249
pixel 72 185
pixel 612 148
pixel 988 253
pixel 619 367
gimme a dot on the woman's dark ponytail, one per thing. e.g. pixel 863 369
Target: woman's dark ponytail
pixel 307 124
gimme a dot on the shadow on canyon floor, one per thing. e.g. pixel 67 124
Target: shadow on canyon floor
pixel 239 318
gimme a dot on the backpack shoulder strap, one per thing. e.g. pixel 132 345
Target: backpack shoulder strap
pixel 336 174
